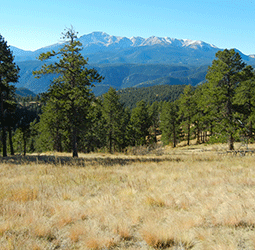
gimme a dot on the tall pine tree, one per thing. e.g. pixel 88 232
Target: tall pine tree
pixel 244 101
pixel 186 110
pixel 8 74
pixel 114 115
pixel 139 124
pixel 170 123
pixel 223 78
pixel 72 88
pixel 154 118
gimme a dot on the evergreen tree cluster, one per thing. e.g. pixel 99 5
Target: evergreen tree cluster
pixel 109 126
pixel 222 107
pixel 68 117
pixel 14 116
pixel 159 93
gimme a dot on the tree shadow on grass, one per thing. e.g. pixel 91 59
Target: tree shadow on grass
pixel 81 162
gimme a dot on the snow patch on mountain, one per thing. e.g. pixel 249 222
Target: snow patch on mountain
pixel 137 41
pixel 105 40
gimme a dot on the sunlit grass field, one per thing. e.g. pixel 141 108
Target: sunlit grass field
pixel 186 198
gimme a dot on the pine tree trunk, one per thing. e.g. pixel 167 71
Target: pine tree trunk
pixel 231 142
pixel 75 149
pixel 198 135
pixel 3 127
pixel 10 140
pixel 204 134
pixel 74 126
pixel 4 141
pixel 155 133
pixel 188 139
pixel 110 141
pixel 25 144
pixel 58 142
pixel 250 131
pixel 174 135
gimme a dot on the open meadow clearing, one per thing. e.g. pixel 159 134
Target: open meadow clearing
pixel 186 198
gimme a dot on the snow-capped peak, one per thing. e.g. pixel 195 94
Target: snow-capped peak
pixel 103 39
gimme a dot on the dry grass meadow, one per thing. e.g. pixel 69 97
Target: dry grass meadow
pixel 185 198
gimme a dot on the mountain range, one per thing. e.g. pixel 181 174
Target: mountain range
pixel 128 62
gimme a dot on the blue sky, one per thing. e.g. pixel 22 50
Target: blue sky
pixel 32 24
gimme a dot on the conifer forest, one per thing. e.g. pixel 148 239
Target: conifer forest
pixel 69 118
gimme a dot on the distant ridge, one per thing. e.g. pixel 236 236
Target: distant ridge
pixel 24 92
pixel 103 39
pixel 102 48
pixel 128 62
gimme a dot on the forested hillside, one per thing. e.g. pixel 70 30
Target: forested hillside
pixel 68 116
pixel 130 96
pixel 219 110
pixel 119 76
pixel 24 92
pixel 192 76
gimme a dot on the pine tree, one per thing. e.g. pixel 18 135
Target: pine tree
pixel 72 88
pixel 154 118
pixel 52 125
pixel 139 124
pixel 244 101
pixel 24 117
pixel 10 114
pixel 170 123
pixel 95 136
pixel 186 110
pixel 8 74
pixel 114 115
pixel 223 78
pixel 200 119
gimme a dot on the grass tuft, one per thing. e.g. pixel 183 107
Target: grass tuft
pixel 157 239
pixel 155 202
pixel 98 243
pixel 76 231
pixel 24 194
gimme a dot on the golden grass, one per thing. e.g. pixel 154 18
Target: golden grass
pixel 187 198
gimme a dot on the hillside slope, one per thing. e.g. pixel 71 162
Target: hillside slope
pixel 130 96
pixel 118 76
